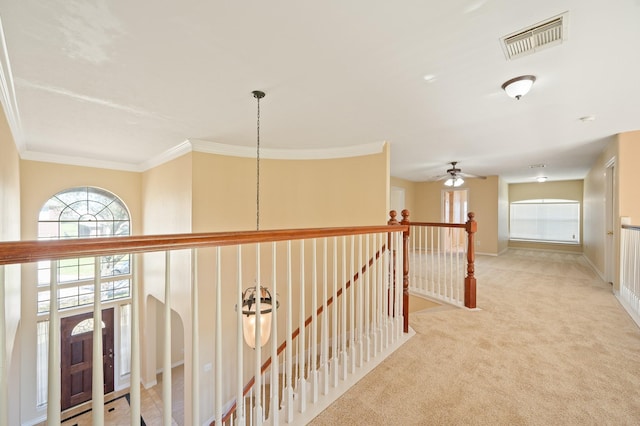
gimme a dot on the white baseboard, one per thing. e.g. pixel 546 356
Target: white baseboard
pixel 596 270
pixel 634 315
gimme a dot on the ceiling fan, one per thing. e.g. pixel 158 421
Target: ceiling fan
pixel 454 176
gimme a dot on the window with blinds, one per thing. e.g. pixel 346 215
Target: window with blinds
pixel 545 220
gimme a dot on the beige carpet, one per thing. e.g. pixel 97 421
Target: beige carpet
pixel 550 346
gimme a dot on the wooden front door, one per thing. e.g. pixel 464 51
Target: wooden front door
pixel 76 335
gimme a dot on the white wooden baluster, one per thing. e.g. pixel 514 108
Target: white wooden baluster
pixel 343 319
pixel 275 367
pixel 359 320
pixel 240 406
pixel 324 354
pixel 218 339
pixel 451 248
pixel 314 323
pixel 259 415
pixel 289 349
pixel 97 371
pixel 352 296
pixel 367 302
pixel 53 406
pixel 334 316
pixel 4 394
pixel 302 385
pixel 134 379
pixel 388 265
pixel 195 341
pixel 422 252
pixel 166 365
pixel 431 266
pixel 374 294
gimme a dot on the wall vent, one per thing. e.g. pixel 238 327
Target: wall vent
pixel 551 32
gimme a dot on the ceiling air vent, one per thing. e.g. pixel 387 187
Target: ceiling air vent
pixel 545 34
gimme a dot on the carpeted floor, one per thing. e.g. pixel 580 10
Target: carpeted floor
pixel 550 345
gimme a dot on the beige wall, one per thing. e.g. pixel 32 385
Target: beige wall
pixel 483 201
pixel 39 181
pixel 503 216
pixel 623 151
pixel 293 194
pixel 409 195
pixel 167 209
pixel 629 175
pixel 10 276
pixel 565 190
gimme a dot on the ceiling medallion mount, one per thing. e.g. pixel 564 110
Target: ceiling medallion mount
pixel 258 94
pixel 519 86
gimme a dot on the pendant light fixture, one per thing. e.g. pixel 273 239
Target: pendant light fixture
pixel 252 298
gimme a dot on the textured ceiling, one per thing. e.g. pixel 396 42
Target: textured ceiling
pixel 123 82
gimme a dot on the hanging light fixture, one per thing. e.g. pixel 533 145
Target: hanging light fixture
pixel 251 301
pixel 454 181
pixel 249 315
pixel 519 86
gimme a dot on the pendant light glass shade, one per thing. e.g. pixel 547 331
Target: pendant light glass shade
pixel 251 319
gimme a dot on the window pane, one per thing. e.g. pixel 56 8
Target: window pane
pixel 125 339
pixel 545 221
pixel 80 213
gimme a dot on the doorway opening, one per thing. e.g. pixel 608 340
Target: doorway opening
pixel 454 210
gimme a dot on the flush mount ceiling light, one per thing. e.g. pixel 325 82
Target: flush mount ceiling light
pixel 541 179
pixel 519 86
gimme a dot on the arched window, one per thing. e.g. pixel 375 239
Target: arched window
pixel 84 212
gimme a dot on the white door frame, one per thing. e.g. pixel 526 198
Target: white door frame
pixel 610 221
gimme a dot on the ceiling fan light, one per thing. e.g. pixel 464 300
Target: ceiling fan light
pixel 449 182
pixel 459 181
pixel 519 86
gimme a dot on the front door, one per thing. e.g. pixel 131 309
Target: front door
pixel 76 356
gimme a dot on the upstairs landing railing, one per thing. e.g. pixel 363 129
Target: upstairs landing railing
pixel 442 257
pixel 347 272
pixel 630 270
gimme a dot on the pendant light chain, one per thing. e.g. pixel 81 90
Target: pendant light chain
pixel 258 95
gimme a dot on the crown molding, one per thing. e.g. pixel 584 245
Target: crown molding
pixel 78 161
pixel 196 145
pixel 170 154
pixel 8 93
pixel 208 147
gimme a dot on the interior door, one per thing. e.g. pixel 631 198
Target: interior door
pixel 77 359
pixel 454 210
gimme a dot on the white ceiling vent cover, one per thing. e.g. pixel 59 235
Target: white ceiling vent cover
pixel 540 36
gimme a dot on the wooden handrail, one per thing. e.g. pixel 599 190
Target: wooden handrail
pixel 631 227
pixel 296 332
pixel 440 225
pixel 14 252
